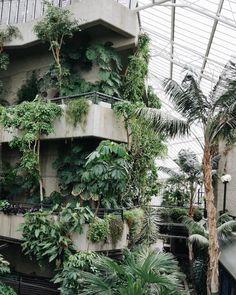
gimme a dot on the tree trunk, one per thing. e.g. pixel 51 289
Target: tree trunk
pixel 190 211
pixel 213 249
pixel 40 174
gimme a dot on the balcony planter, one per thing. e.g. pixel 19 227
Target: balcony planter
pixel 10 230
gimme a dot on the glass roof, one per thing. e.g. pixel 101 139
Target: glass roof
pixel 197 33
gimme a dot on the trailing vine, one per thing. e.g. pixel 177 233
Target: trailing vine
pixel 46 236
pixel 31 120
pixel 29 90
pixel 54 28
pixel 76 110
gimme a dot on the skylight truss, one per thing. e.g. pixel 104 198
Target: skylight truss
pixel 196 33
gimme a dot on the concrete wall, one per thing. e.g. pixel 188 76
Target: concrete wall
pixel 11 223
pixel 227 165
pixel 100 122
pixel 90 13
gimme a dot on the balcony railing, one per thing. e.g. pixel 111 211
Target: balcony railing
pixel 21 11
pixel 95 97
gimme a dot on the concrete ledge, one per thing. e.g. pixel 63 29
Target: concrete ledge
pixel 91 13
pixel 10 229
pixel 100 122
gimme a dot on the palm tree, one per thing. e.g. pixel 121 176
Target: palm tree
pixel 217 116
pixel 199 243
pixel 188 176
pixel 144 272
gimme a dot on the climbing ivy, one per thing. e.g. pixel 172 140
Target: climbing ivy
pixel 31 120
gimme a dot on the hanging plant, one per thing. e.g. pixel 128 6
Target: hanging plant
pixel 77 110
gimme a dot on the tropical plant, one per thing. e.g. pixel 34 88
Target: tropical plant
pixel 56 25
pixel 99 230
pixel 5 269
pixel 116 227
pixel 187 178
pixel 134 218
pixel 31 120
pixel 199 244
pixel 69 276
pixel 105 176
pixel 29 90
pixel 144 145
pixel 47 237
pixel 6 290
pixel 217 116
pixel 76 110
pixel 6 35
pixel 109 63
pixel 144 272
pixel 70 167
pixel 134 88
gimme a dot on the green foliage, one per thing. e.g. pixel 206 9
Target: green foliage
pixel 197 214
pixel 134 218
pixel 106 173
pixel 76 85
pixel 6 290
pixel 99 230
pixel 3 203
pixel 69 276
pixel 134 80
pixel 199 269
pixel 76 110
pixel 17 182
pixel 144 145
pixel 70 168
pixel 29 90
pixel 109 65
pixel 31 119
pixel 48 237
pixel 149 228
pixel 176 214
pixel 145 273
pixel 54 28
pixel 4 265
pixel 116 227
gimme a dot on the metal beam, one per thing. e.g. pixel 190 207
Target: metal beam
pixel 196 8
pixel 211 37
pixel 154 3
pixel 182 65
pixel 3 246
pixel 172 36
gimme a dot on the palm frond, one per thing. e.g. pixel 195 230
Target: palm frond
pixel 223 219
pixel 163 122
pixel 194 227
pixel 188 98
pixel 200 240
pixel 225 230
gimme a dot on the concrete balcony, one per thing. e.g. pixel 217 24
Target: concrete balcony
pixel 103 14
pixel 100 122
pixel 10 224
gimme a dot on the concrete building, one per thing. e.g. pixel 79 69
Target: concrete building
pixel 102 21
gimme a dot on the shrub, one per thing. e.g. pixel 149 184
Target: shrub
pixel 6 290
pixel 176 214
pixel 134 219
pixel 99 230
pixel 197 214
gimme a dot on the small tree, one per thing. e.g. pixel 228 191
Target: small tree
pixel 189 174
pixel 31 120
pixel 54 28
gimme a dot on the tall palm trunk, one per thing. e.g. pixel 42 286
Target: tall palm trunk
pixel 190 211
pixel 213 249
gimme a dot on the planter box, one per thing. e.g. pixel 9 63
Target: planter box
pixel 11 223
pixel 100 122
